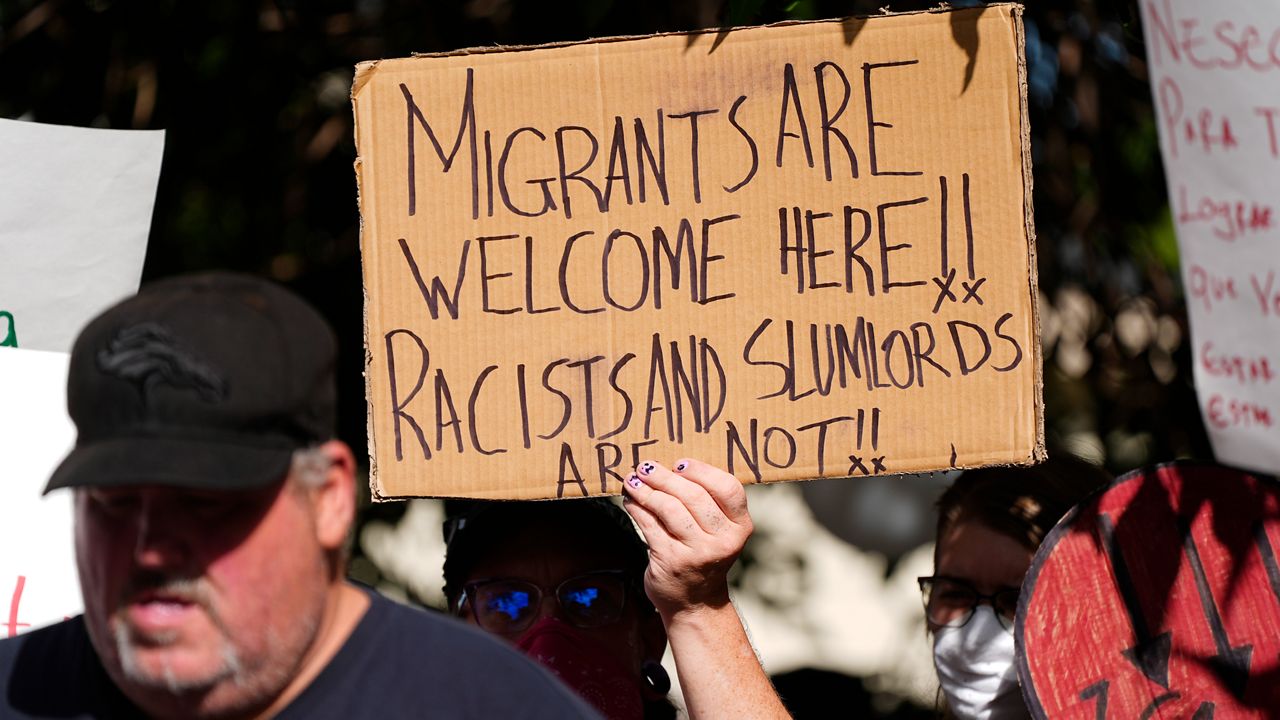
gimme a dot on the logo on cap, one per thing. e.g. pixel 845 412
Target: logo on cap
pixel 147 355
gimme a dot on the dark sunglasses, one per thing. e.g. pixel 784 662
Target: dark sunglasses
pixel 507 606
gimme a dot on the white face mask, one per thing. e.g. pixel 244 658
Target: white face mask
pixel 976 670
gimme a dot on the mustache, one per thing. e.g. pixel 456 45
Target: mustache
pixel 187 588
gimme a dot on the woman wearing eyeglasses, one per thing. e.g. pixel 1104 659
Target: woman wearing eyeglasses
pixel 990 523
pixel 572 585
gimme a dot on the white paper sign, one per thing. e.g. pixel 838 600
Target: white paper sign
pixel 1215 76
pixel 38 582
pixel 75 211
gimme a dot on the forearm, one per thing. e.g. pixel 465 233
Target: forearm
pixel 720 675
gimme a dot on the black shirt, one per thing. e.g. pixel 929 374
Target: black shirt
pixel 398 663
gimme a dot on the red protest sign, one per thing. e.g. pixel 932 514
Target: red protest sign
pixel 1159 597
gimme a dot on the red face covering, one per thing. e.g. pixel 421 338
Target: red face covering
pixel 585 665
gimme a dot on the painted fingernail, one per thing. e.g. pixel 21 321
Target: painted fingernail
pixel 634 481
pixel 647 467
pixel 681 466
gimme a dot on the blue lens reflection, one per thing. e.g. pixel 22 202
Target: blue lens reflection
pixel 510 603
pixel 583 597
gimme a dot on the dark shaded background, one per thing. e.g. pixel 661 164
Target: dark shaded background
pixel 257 173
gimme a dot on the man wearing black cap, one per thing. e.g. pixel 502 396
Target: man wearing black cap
pixel 211 514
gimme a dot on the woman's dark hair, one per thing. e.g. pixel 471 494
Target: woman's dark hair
pixel 475 528
pixel 1023 503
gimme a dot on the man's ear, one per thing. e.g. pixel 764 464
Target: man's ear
pixel 334 499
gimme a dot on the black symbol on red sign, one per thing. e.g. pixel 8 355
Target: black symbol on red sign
pixel 1231 664
pixel 1156 703
pixel 1268 559
pixel 1204 712
pixel 1149 654
pixel 1098 690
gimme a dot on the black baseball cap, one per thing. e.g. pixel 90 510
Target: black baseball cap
pixel 206 381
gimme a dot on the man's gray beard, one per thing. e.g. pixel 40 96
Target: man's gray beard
pixel 230 666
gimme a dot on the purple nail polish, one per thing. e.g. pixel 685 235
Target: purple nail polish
pixel 647 467
pixel 681 467
pixel 634 480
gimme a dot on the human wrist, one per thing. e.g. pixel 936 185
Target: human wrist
pixel 695 614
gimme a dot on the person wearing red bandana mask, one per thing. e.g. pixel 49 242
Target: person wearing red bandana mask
pixel 573 586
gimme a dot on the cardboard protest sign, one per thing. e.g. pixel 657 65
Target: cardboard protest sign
pixel 795 251
pixel 1214 74
pixel 1158 598
pixel 38 581
pixel 75 212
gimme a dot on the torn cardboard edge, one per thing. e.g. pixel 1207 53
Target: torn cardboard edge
pixel 364 69
pixel 1015 8
pixel 1033 263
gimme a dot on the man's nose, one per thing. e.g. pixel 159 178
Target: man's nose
pixel 159 540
